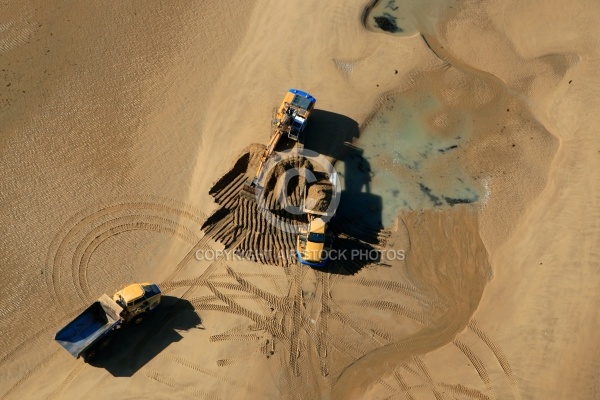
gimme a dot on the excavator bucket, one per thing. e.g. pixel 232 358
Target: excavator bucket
pixel 248 191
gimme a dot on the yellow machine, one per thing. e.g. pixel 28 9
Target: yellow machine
pixel 313 244
pixel 290 120
pixel 137 299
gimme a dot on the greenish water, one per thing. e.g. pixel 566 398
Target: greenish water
pixel 404 161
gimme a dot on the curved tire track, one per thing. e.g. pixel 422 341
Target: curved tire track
pixel 90 243
pixel 84 218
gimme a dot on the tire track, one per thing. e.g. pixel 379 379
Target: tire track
pixel 235 338
pixel 236 308
pixel 85 250
pixel 206 299
pixel 271 277
pixel 402 384
pixel 392 307
pixel 65 384
pixel 52 325
pixel 224 362
pixel 203 278
pixel 27 342
pixel 175 385
pixel 476 361
pixel 473 325
pixel 296 296
pixel 196 367
pixel 428 378
pixel 92 390
pixel 201 244
pixel 16 34
pixel 29 374
pixel 461 390
pixel 57 252
pixel 271 299
pixel 232 331
pixel 363 328
pixel 392 286
pixel 83 218
pixel 323 333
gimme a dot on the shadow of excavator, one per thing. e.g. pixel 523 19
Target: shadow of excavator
pixel 132 347
pixel 357 225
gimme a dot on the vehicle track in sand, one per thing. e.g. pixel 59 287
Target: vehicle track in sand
pixel 460 390
pixel 96 237
pixel 86 230
pixel 209 372
pixel 496 349
pixel 95 386
pixel 52 324
pixel 475 361
pixel 404 388
pixel 67 381
pixel 392 286
pixel 323 341
pixel 44 362
pixel 176 385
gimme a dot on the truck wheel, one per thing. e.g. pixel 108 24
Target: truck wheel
pixel 138 319
pixel 90 355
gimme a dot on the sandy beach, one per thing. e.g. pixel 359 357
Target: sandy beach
pixel 464 136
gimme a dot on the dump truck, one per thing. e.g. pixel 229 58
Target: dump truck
pixel 313 244
pixel 90 332
pixel 290 120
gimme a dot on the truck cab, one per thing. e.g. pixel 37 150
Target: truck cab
pixel 294 111
pixel 137 299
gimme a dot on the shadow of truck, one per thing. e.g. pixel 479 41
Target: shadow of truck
pixel 133 346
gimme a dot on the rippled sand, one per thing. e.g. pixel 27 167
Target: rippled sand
pixel 472 168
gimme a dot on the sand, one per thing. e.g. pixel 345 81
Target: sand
pixel 118 126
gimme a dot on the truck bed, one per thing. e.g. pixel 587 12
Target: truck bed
pixel 93 323
pixel 320 194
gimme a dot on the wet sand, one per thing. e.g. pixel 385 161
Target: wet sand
pixel 466 143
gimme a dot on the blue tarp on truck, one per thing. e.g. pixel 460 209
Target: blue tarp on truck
pixel 90 326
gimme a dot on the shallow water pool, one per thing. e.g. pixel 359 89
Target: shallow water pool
pixel 408 157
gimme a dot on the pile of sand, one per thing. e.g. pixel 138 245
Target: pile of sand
pixel 318 196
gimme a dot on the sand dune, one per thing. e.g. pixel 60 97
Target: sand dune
pixel 465 137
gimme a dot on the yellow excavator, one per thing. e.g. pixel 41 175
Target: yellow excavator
pixel 291 120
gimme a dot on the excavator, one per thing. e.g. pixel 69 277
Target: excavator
pixel 289 120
